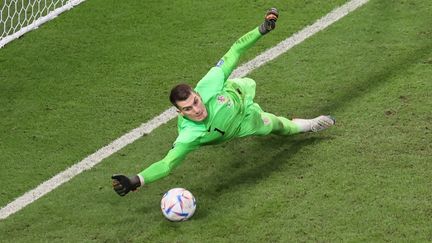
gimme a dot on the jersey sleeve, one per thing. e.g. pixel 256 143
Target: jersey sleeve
pixel 187 141
pixel 214 80
pixel 163 167
pixel 229 61
pixel 211 83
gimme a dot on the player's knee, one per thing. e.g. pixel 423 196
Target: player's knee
pixel 245 83
pixel 278 126
pixel 251 83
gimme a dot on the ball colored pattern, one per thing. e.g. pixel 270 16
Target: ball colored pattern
pixel 178 204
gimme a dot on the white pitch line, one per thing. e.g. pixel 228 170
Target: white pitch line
pixel 146 128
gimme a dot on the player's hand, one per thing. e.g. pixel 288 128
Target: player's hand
pixel 269 21
pixel 123 184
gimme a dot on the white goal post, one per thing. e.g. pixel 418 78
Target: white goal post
pixel 18 17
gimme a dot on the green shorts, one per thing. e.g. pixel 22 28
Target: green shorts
pixel 256 121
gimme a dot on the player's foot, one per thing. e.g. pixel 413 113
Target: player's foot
pixel 321 123
pixel 315 125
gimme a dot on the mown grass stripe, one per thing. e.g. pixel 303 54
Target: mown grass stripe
pixel 146 128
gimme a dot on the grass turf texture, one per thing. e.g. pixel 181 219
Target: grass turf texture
pixel 368 179
pixel 83 80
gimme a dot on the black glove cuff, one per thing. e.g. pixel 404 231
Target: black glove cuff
pixel 262 29
pixel 135 182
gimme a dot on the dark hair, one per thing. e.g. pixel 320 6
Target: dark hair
pixel 179 93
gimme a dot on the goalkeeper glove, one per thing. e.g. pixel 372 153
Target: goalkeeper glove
pixel 123 184
pixel 269 21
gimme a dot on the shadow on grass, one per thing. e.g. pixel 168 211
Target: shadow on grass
pixel 265 164
pixel 255 163
pixel 373 80
pixel 272 153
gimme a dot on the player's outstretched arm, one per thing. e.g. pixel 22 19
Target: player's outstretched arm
pixel 230 59
pixel 122 184
pixel 173 159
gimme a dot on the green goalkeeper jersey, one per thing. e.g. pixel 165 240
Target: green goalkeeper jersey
pixel 225 105
pixel 225 108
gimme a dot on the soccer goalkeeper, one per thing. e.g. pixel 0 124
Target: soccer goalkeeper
pixel 220 109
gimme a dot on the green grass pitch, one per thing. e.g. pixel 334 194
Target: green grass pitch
pixel 103 68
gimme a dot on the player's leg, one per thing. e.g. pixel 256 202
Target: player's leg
pixel 316 124
pixel 245 86
pixel 277 125
pixel 257 122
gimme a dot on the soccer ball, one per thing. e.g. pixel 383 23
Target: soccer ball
pixel 178 204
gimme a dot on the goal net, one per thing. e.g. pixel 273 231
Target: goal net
pixel 18 17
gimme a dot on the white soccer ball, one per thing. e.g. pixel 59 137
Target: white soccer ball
pixel 178 204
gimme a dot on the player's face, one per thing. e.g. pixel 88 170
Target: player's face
pixel 193 108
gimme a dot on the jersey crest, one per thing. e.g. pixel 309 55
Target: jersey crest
pixel 221 99
pixel 224 100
